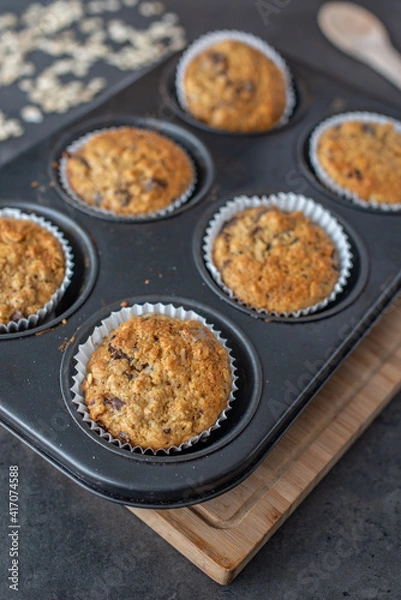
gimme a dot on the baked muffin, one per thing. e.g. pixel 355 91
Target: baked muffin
pixel 363 158
pixel 156 381
pixel 276 261
pixel 32 268
pixel 129 171
pixel 235 87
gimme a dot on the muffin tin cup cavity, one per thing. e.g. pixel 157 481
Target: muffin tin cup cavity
pixel 33 320
pixel 73 147
pixel 205 41
pixel 323 176
pixel 288 203
pixel 115 319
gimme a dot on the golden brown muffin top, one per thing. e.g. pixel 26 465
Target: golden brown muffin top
pixel 233 86
pixel 156 381
pixel 32 268
pixel 276 261
pixel 129 171
pixel 364 158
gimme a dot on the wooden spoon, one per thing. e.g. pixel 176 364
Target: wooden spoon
pixel 358 32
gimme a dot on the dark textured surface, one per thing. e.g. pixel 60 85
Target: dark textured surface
pixel 344 541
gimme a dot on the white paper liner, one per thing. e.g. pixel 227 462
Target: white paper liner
pixel 102 331
pixel 77 144
pixel 364 117
pixel 209 39
pixel 35 319
pixel 287 202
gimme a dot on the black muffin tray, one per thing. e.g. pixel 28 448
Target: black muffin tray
pixel 281 363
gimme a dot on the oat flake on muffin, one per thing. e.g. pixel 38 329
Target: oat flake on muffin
pixel 276 261
pixel 32 268
pixel 157 381
pixel 129 171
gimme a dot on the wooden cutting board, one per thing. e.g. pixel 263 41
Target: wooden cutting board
pixel 222 535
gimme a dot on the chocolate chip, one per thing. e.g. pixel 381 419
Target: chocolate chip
pixel 219 61
pixel 244 89
pixel 166 430
pixel 230 222
pixel 114 402
pixel 82 160
pixel 17 316
pixel 153 183
pixel 256 230
pixel 92 402
pixel 128 375
pixel 118 354
pixel 356 173
pixel 123 196
pixel 369 129
pixel 124 437
pixel 200 411
pixel 217 58
pixel 294 241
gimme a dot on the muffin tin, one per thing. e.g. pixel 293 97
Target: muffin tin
pixel 281 362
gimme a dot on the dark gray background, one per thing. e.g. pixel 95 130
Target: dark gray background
pixel 344 541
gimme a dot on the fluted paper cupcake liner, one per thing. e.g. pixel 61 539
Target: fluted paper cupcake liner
pixel 324 177
pixel 96 211
pixel 102 331
pixel 209 39
pixel 287 202
pixel 37 318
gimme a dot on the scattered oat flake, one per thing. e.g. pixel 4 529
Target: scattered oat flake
pixel 99 6
pixel 74 39
pixel 91 25
pixel 151 9
pixel 31 114
pixel 8 21
pixel 170 18
pixel 124 304
pixel 9 127
pixel 34 184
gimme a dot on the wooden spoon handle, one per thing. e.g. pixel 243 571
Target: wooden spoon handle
pixel 387 61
